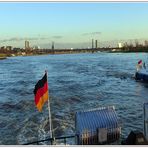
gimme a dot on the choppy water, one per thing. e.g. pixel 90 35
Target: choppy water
pixel 76 82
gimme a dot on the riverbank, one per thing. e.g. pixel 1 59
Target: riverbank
pixel 70 51
pixel 3 56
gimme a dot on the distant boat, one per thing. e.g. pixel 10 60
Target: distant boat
pixel 13 55
pixel 142 75
pixel 141 72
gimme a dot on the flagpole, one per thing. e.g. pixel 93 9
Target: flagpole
pixel 50 122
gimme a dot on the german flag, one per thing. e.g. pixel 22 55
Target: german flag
pixel 41 92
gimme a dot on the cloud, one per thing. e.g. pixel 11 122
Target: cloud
pixel 57 37
pixel 14 39
pixel 42 38
pixel 11 39
pixel 92 33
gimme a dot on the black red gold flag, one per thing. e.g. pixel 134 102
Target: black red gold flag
pixel 41 92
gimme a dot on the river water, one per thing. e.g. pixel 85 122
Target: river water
pixel 76 82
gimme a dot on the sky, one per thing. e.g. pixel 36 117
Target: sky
pixel 71 24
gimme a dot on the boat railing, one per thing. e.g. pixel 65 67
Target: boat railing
pixel 53 141
pixel 145 107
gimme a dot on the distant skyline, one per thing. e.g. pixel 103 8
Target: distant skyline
pixel 71 24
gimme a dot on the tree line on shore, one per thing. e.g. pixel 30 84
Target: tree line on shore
pixel 4 52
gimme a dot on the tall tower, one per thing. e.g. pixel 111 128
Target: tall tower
pixel 146 43
pixel 119 45
pixel 92 43
pixel 52 45
pixel 27 45
pixel 96 43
